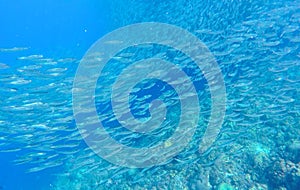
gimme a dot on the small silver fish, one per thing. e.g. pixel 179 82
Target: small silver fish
pixel 3 66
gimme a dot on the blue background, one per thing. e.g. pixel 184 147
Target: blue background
pixel 66 28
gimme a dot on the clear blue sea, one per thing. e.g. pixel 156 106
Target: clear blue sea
pixel 121 94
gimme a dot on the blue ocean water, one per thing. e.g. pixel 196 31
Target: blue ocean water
pixel 55 29
pixel 255 43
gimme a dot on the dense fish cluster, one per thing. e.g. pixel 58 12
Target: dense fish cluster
pixel 35 108
pixel 256 44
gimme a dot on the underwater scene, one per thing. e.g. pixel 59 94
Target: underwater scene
pixel 123 94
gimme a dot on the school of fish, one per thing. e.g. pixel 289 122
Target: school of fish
pixel 257 47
